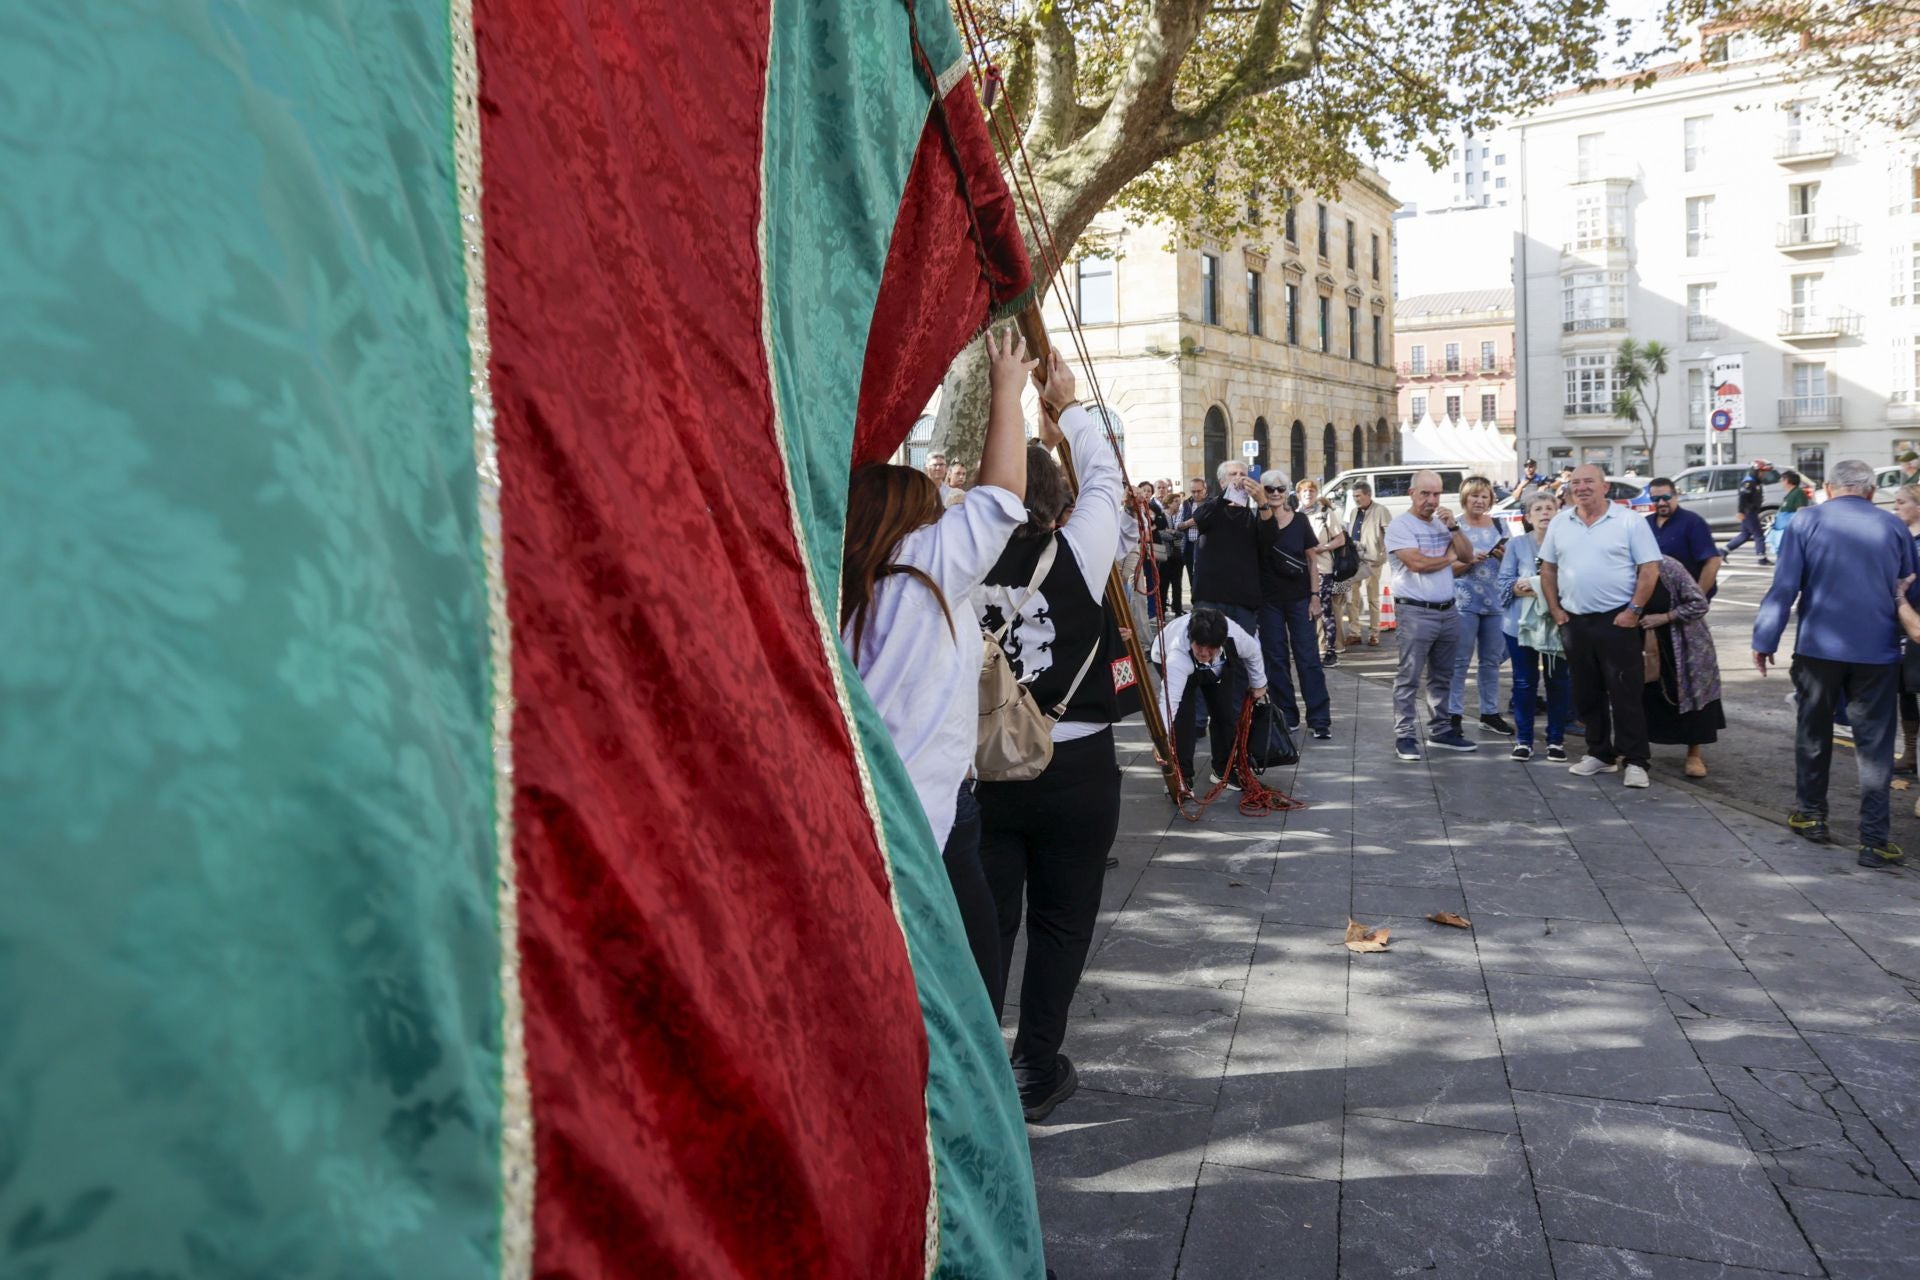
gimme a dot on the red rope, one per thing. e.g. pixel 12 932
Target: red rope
pixel 1257 800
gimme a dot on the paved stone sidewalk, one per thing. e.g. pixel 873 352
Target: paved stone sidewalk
pixel 1676 1042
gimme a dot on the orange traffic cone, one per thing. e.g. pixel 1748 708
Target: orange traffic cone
pixel 1386 607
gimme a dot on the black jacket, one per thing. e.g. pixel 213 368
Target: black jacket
pixel 1753 493
pixel 1227 568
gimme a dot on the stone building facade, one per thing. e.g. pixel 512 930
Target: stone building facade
pixel 1200 346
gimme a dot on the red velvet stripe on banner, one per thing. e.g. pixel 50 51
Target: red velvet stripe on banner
pixel 936 257
pixel 726 1054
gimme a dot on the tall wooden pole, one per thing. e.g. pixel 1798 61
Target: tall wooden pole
pixel 1034 329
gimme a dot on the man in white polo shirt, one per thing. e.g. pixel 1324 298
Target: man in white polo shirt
pixel 1598 568
pixel 1422 546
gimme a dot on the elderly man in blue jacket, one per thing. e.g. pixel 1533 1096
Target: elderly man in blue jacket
pixel 1843 561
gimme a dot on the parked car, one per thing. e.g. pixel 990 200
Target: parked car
pixel 1627 493
pixel 1713 494
pixel 1391 485
pixel 1887 482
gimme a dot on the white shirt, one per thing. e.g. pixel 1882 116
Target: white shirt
pixel 1409 532
pixel 1598 564
pixel 1172 649
pixel 923 676
pixel 1092 532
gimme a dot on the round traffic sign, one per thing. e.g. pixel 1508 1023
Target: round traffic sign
pixel 1722 420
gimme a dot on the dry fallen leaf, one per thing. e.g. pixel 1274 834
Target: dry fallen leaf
pixel 1362 938
pixel 1447 917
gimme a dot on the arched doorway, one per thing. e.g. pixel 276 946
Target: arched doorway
pixel 1330 448
pixel 1214 439
pixel 1386 451
pixel 1359 446
pixel 1264 458
pixel 1297 462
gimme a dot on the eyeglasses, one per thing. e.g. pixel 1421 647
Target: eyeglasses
pixel 1270 488
pixel 1663 497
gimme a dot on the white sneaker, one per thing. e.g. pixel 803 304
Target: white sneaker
pixel 1636 776
pixel 1590 765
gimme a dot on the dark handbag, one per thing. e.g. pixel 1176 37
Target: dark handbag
pixel 1346 561
pixel 1909 666
pixel 1269 745
pixel 1290 564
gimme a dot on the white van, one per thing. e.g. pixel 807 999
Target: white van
pixel 1391 485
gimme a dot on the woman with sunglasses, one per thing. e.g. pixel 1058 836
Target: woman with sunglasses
pixel 1290 607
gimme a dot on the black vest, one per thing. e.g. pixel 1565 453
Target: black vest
pixel 1051 638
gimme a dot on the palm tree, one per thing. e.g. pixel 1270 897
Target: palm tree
pixel 1639 368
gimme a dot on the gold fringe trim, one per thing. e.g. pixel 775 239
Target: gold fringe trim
pixel 830 646
pixel 516 1099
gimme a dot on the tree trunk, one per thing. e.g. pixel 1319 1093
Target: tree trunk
pixel 960 425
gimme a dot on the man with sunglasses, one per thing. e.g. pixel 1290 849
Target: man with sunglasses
pixel 1684 535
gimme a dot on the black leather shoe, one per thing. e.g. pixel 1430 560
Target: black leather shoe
pixel 1038 1106
pixel 1809 826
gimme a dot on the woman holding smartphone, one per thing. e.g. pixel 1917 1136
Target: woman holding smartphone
pixel 1476 599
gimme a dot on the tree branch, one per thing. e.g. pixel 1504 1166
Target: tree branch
pixel 1258 71
pixel 1056 78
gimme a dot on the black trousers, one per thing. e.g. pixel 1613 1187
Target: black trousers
pixel 1749 532
pixel 1608 683
pixel 1047 840
pixel 970 889
pixel 1172 569
pixel 1223 698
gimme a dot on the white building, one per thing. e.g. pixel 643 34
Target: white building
pixel 1720 213
pixel 1485 171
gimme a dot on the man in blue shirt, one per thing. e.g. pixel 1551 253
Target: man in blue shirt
pixel 1598 567
pixel 1843 561
pixel 1684 536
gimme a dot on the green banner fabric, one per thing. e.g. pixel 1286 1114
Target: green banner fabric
pixel 249 964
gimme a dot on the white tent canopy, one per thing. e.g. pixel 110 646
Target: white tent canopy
pixel 1459 442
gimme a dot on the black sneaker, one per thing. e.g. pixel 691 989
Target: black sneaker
pixel 1233 783
pixel 1809 826
pixel 1521 751
pixel 1556 752
pixel 1037 1105
pixel 1407 748
pixel 1323 734
pixel 1494 724
pixel 1329 659
pixel 1881 856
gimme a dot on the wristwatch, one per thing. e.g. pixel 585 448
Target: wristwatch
pixel 1639 610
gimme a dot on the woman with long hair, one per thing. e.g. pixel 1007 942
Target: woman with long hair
pixel 1045 840
pixel 911 567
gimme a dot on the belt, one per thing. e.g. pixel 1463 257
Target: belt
pixel 1426 604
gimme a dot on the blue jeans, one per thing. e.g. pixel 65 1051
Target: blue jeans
pixel 1481 631
pixel 1868 693
pixel 1287 632
pixel 1526 678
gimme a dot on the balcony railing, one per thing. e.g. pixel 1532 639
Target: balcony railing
pixel 1809 411
pixel 1592 324
pixel 1808 231
pixel 1802 146
pixel 1819 322
pixel 1583 244
pixel 1465 369
pixel 1702 329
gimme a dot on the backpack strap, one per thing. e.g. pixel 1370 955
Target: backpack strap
pixel 1060 707
pixel 1040 572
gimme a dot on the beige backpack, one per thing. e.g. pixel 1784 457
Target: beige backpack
pixel 1015 741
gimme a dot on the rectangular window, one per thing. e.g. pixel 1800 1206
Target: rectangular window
pixel 1326 324
pixel 1353 333
pixel 1592 301
pixel 1418 359
pixel 1638 460
pixel 1598 455
pixel 1591 382
pixel 1376 261
pixel 1810 460
pixel 1453 408
pixel 1500 159
pixel 1809 380
pixel 1419 408
pixel 1587 156
pixel 1489 406
pixel 1906 274
pixel 1094 299
pixel 1379 329
pixel 1701 326
pixel 1253 303
pixel 1453 357
pixel 1699 405
pixel 1293 314
pixel 1500 183
pixel 1694 129
pixel 1600 218
pixel 1209 289
pixel 1699 225
pixel 1487 358
pixel 1804 291
pixel 1292 235
pixel 1353 247
pixel 1695 455
pixel 1322 241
